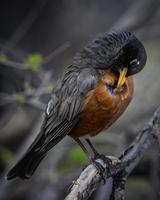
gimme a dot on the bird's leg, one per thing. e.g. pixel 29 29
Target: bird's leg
pixel 96 154
pixel 101 169
pixel 98 165
pixel 109 160
pixel 84 148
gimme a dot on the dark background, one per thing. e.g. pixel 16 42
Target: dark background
pixel 38 39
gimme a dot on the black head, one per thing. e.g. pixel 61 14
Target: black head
pixel 117 51
pixel 132 56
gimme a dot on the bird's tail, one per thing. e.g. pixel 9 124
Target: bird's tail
pixel 26 166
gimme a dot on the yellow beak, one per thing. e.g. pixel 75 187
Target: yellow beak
pixel 122 78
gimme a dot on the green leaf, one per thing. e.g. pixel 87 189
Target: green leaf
pixel 20 99
pixel 28 88
pixel 35 100
pixel 76 157
pixel 6 156
pixel 34 62
pixel 3 57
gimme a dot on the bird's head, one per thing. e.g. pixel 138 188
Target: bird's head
pixel 121 52
pixel 130 60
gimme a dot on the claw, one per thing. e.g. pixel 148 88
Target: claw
pixel 110 160
pixel 113 160
pixel 100 170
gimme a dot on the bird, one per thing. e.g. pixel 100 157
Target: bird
pixel 91 95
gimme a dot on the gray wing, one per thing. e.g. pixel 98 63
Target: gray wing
pixel 62 113
pixel 64 108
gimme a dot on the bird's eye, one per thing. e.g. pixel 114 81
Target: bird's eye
pixel 134 62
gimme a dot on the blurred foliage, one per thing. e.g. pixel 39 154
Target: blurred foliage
pixel 34 62
pixel 28 88
pixel 75 157
pixel 6 156
pixel 20 99
pixel 36 101
pixel 3 57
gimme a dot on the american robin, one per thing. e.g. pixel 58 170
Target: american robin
pixel 95 90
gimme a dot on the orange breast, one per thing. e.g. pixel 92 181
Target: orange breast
pixel 102 107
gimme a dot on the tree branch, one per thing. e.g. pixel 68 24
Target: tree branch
pixel 89 180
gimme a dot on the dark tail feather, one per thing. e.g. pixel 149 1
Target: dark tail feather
pixel 38 149
pixel 32 158
pixel 26 166
pixel 30 161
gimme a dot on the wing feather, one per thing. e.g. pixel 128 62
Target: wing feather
pixel 64 108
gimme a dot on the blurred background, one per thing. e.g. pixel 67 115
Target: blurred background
pixel 38 39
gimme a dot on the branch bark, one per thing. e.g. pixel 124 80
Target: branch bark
pixel 90 180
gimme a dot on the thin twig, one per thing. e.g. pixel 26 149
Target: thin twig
pixel 56 52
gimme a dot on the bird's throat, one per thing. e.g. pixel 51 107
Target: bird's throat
pixel 114 83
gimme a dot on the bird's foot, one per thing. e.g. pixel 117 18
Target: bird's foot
pixel 101 170
pixel 110 160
